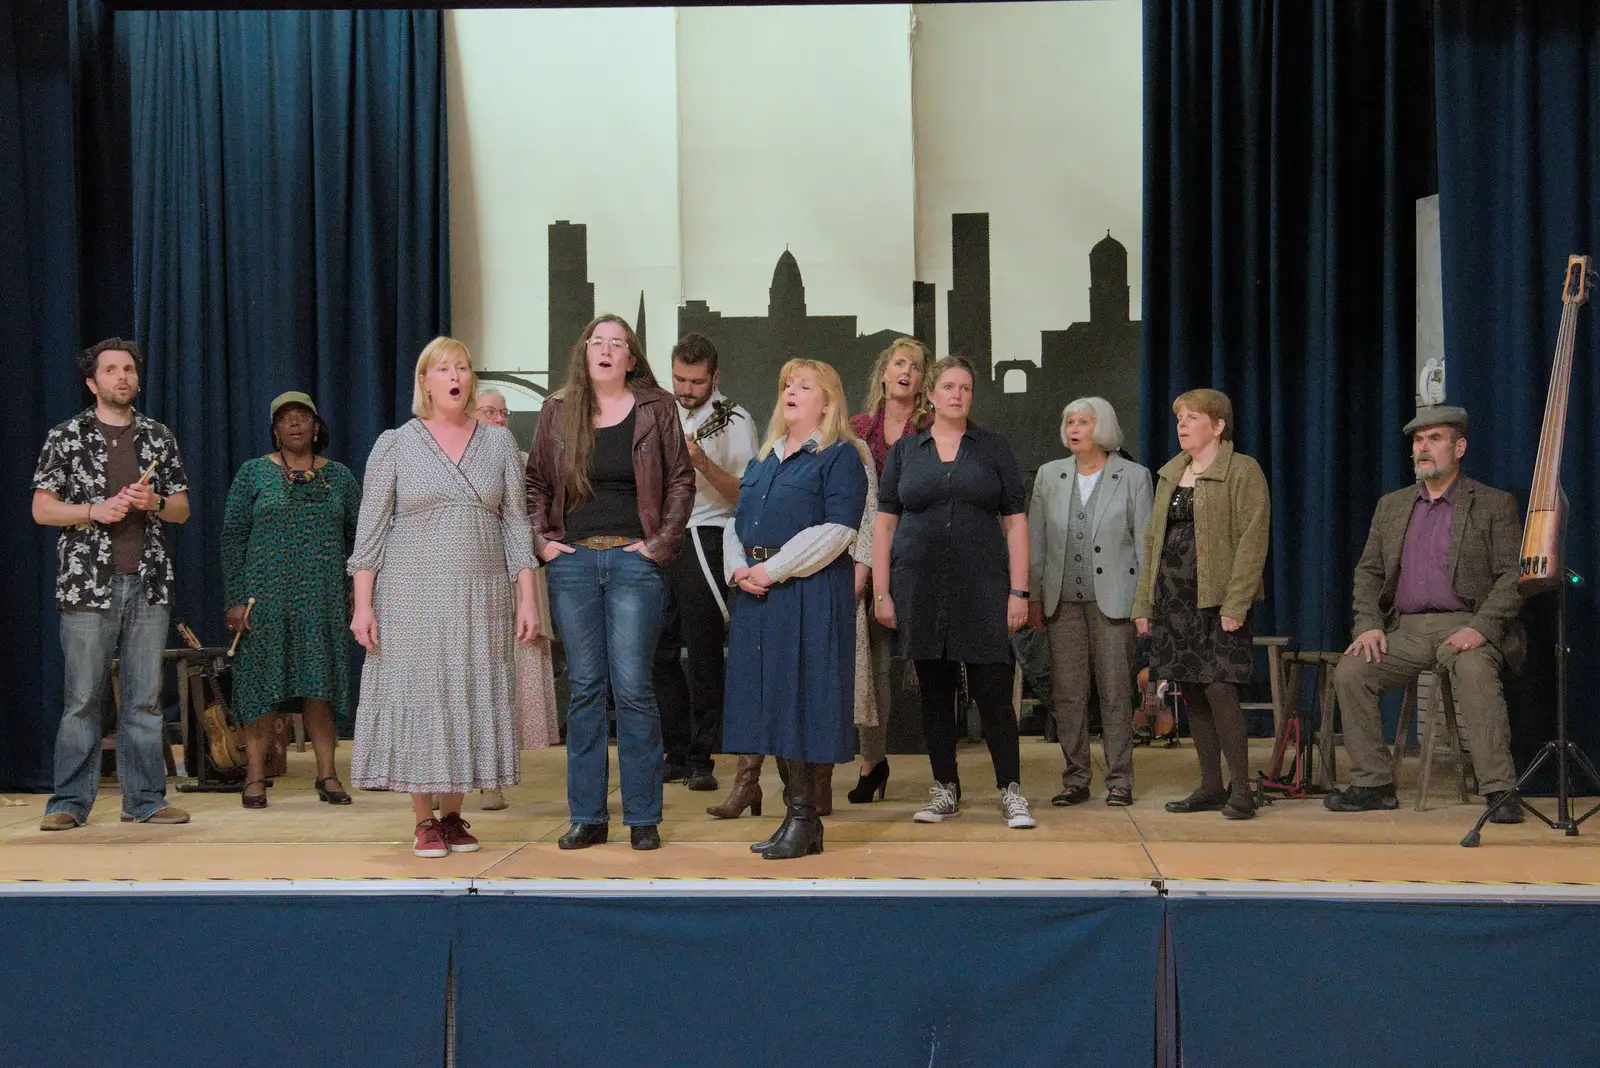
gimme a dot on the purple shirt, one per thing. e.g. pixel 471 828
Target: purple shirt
pixel 1425 581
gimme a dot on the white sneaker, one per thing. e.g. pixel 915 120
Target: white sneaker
pixel 944 804
pixel 1015 807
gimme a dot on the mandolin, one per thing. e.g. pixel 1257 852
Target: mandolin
pixel 224 741
pixel 723 413
pixel 1540 565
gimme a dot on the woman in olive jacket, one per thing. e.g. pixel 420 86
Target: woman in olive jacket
pixel 1204 553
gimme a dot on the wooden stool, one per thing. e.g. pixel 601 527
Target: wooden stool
pixel 1275 646
pixel 1323 664
pixel 1441 705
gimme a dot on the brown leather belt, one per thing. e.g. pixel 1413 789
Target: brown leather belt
pixel 760 553
pixel 604 541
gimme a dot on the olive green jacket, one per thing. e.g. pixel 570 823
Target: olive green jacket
pixel 1233 523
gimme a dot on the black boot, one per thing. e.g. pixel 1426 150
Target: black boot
pixel 783 774
pixel 801 833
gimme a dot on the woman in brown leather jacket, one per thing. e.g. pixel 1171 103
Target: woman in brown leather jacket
pixel 610 487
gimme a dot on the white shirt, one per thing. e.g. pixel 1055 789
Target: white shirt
pixel 1086 484
pixel 731 450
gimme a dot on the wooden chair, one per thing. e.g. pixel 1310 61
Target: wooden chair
pixel 1275 646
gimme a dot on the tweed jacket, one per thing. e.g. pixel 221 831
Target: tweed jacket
pixel 1116 526
pixel 1485 538
pixel 1233 524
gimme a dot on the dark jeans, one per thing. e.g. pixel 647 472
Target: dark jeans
pixel 607 605
pixel 691 708
pixel 990 686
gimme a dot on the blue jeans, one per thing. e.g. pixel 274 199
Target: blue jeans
pixel 89 641
pixel 607 605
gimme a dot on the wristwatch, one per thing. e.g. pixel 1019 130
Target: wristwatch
pixel 161 503
pixel 1020 593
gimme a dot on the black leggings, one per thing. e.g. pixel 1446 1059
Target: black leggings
pixel 1217 725
pixel 990 686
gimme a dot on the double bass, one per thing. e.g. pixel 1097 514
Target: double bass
pixel 1540 565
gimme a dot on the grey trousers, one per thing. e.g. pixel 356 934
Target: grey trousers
pixel 880 640
pixel 1084 644
pixel 1417 645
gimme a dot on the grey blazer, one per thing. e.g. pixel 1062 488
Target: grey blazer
pixel 1116 532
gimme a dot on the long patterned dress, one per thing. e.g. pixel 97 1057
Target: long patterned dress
pixel 1187 643
pixel 285 545
pixel 444 540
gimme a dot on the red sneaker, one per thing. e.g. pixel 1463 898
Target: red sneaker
pixel 430 841
pixel 456 835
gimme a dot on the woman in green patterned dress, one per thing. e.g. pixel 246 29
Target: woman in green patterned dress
pixel 290 525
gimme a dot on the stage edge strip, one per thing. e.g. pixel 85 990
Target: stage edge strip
pixel 1384 892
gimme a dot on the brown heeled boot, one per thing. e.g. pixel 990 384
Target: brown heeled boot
pixel 746 792
pixel 822 788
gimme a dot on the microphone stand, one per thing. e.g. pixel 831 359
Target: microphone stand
pixel 1562 750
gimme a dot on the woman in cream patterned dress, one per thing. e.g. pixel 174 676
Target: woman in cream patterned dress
pixel 443 527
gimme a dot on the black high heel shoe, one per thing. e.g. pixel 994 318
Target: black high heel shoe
pixel 875 781
pixel 255 800
pixel 332 797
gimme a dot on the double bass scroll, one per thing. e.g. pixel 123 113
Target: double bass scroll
pixel 1540 564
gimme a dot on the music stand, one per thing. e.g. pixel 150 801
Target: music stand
pixel 1562 749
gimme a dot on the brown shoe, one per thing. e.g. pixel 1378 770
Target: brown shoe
pixel 822 788
pixel 746 792
pixel 59 821
pixel 161 815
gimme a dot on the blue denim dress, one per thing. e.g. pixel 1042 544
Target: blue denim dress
pixel 791 653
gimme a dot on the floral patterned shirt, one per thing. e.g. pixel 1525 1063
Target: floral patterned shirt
pixel 72 465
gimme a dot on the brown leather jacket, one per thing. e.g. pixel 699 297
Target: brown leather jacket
pixel 660 467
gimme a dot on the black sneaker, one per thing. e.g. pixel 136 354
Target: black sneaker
pixel 674 771
pixel 1361 799
pixel 1510 812
pixel 1072 795
pixel 701 779
pixel 646 838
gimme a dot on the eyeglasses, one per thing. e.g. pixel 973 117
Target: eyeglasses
pixel 489 409
pixel 610 344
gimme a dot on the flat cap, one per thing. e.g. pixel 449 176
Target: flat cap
pixel 292 397
pixel 1437 415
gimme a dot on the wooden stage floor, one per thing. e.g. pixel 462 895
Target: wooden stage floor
pixel 298 843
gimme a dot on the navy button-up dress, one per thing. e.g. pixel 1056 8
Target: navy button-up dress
pixel 792 653
pixel 949 566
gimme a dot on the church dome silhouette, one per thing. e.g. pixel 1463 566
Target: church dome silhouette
pixel 1108 254
pixel 787 297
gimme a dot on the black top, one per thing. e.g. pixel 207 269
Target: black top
pixel 614 508
pixel 122 469
pixel 950 570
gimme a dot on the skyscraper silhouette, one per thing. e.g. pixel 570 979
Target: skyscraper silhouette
pixel 971 328
pixel 571 292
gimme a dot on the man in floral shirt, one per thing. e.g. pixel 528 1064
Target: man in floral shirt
pixel 111 479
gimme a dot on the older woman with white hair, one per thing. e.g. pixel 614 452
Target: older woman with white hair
pixel 1086 527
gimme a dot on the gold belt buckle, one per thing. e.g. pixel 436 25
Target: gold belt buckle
pixel 761 554
pixel 604 541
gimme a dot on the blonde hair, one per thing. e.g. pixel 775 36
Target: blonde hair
pixel 835 424
pixel 1107 429
pixel 1211 403
pixel 875 392
pixel 437 350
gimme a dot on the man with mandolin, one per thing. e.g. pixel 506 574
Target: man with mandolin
pixel 722 439
pixel 1435 590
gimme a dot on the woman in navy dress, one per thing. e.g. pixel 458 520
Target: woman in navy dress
pixel 792 642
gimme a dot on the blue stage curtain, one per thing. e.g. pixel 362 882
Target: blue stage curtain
pixel 290 231
pixel 132 980
pixel 1518 89
pixel 787 981
pixel 1337 983
pixel 1286 142
pixel 41 308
